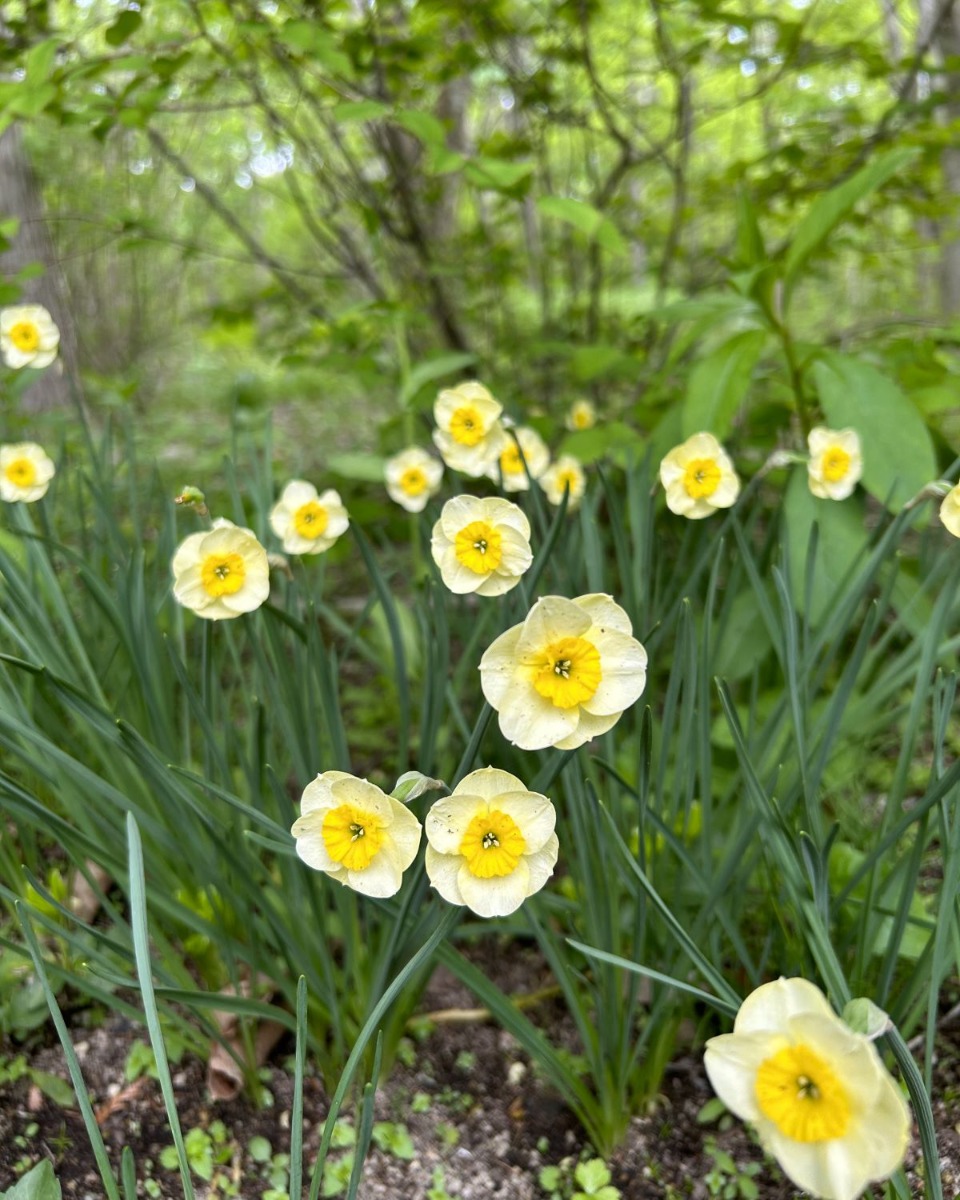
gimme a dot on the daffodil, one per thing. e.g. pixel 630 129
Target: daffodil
pixel 412 477
pixel 835 463
pixel 481 545
pixel 566 474
pixel 25 472
pixel 306 522
pixel 698 477
pixel 490 844
pixel 520 461
pixel 469 433
pixel 28 336
pixel 222 572
pixel 581 415
pixel 950 511
pixel 355 833
pixel 566 674
pixel 818 1093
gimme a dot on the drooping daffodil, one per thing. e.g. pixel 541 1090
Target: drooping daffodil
pixel 469 433
pixel 835 464
pixel 412 477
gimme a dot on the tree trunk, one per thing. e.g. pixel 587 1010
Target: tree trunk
pixel 32 245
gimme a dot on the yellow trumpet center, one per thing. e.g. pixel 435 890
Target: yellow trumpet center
pixel 466 426
pixel 311 519
pixel 511 460
pixel 836 463
pixel 478 547
pixel 701 477
pixel 802 1096
pixel 492 845
pixel 222 574
pixel 582 417
pixel 25 336
pixel 413 481
pixel 352 837
pixel 567 672
pixel 21 472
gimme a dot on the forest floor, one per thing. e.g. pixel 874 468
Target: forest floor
pixel 467 1119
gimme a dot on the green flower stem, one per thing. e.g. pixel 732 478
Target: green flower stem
pixel 933 1186
pixel 444 926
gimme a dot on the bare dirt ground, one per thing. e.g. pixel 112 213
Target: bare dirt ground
pixel 482 1125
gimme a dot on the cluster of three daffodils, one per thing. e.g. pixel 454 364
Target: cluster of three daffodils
pixel 472 438
pixel 490 844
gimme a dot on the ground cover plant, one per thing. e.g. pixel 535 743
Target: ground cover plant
pixel 627 637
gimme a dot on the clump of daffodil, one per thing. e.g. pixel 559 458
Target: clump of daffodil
pixel 835 464
pixel 28 336
pixel 355 833
pixel 580 415
pixel 566 474
pixel 305 521
pixel 822 1102
pixel 25 472
pixel 520 460
pixel 481 545
pixel 566 674
pixel 950 511
pixel 469 433
pixel 222 572
pixel 412 477
pixel 698 477
pixel 490 844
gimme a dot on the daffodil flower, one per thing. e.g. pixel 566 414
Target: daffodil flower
pixel 25 472
pixel 490 844
pixel 481 545
pixel 564 474
pixel 469 433
pixel 412 477
pixel 818 1094
pixel 566 674
pixel 581 415
pixel 28 336
pixel 306 522
pixel 835 463
pixel 950 511
pixel 352 831
pixel 698 477
pixel 221 573
pixel 520 461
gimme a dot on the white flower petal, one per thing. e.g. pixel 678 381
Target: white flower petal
pixel 494 897
pixel 446 822
pixel 534 815
pixel 498 666
pixel 489 783
pixel 531 722
pixel 442 871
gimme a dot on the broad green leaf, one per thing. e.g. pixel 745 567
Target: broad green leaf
pixel 360 110
pixel 587 445
pixel 591 362
pixel 428 128
pixel 898 455
pixel 841 538
pixel 590 221
pixel 719 382
pixel 832 207
pixel 312 40
pixel 365 467
pixel 124 27
pixel 434 368
pixel 38 1184
pixel 498 174
pixel 40 58
pixel 442 161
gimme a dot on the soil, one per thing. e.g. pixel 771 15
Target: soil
pixel 481 1123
